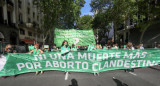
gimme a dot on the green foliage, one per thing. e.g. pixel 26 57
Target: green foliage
pixel 85 22
pixel 116 11
pixel 142 12
pixel 100 21
pixel 59 13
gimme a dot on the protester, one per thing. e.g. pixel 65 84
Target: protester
pixel 21 48
pixel 124 47
pixel 98 47
pixel 54 48
pixel 105 47
pixel 73 48
pixel 36 51
pixel 45 48
pixel 141 46
pixel 115 46
pixel 91 47
pixel 129 47
pixel 8 49
pixel 65 48
pixel 85 47
pixel 109 46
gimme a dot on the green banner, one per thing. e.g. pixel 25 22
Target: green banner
pixel 73 36
pixel 78 61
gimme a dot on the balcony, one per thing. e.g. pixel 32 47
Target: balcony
pixel 29 25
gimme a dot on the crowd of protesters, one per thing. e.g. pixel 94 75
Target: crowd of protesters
pixel 24 49
pixel 66 48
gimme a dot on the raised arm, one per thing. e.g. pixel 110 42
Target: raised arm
pixel 31 52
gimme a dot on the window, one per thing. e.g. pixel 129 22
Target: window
pixel 29 20
pixel 29 33
pixel 37 18
pixel 33 14
pixel 19 3
pixel 22 32
pixel 20 18
pixel 28 10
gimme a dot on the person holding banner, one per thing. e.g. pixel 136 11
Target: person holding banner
pixel 105 47
pixel 124 47
pixel 115 46
pixel 141 46
pixel 54 48
pixel 73 48
pixel 98 47
pixel 91 47
pixel 65 48
pixel 31 48
pixel 46 48
pixel 130 47
pixel 8 49
pixel 36 51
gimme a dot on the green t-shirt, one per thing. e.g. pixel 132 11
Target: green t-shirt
pixel 98 49
pixel 113 48
pixel 46 50
pixel 36 52
pixel 74 49
pixel 105 48
pixel 64 49
pixel 90 47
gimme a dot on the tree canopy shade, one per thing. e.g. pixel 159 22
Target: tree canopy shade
pixel 59 13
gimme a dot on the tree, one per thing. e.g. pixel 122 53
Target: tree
pixel 85 22
pixel 148 15
pixel 100 25
pixel 143 12
pixel 116 11
pixel 58 14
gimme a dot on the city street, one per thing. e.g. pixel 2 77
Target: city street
pixel 82 36
pixel 149 76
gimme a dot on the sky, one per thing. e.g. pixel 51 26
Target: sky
pixel 86 9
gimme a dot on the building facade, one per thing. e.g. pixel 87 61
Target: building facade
pixel 20 21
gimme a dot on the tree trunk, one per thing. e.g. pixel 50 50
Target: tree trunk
pixel 45 37
pixel 141 37
pixel 115 32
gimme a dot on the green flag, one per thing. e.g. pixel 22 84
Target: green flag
pixel 73 36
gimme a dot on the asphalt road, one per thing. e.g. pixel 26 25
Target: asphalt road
pixel 149 76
